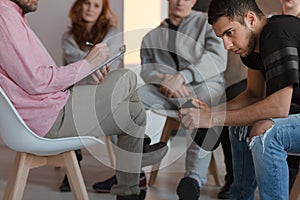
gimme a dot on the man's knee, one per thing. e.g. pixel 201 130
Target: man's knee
pixel 124 73
pixel 260 127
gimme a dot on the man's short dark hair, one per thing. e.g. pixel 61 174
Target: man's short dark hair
pixel 233 9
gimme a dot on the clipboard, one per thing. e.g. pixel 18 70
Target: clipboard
pixel 121 52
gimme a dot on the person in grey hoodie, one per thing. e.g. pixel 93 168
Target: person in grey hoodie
pixel 182 58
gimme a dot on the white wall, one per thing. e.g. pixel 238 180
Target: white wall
pixel 268 6
pixel 51 20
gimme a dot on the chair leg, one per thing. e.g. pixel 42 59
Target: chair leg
pixel 295 192
pixel 74 175
pixel 213 169
pixel 110 151
pixel 25 161
pixel 153 174
pixel 18 177
pixel 170 124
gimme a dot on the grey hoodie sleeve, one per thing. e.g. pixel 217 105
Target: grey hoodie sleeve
pixel 149 67
pixel 210 57
pixel 155 57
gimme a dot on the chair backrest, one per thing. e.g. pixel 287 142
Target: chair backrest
pixel 17 136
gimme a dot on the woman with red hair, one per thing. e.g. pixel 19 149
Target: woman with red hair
pixel 92 22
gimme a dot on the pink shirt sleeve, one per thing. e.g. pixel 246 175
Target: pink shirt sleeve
pixel 28 63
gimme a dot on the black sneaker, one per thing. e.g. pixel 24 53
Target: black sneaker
pixel 188 189
pixel 131 197
pixel 105 186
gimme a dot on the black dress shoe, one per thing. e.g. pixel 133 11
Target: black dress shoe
pixel 132 197
pixel 224 191
pixel 128 197
pixel 188 189
pixel 105 186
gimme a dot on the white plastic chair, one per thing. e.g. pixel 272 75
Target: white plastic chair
pixel 35 151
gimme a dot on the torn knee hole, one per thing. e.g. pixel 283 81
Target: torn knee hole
pixel 262 126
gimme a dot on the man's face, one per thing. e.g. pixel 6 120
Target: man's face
pixel 290 4
pixel 236 37
pixel 27 5
pixel 91 10
pixel 180 8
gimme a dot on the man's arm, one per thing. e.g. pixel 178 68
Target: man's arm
pixel 173 86
pixel 274 106
pixel 148 68
pixel 245 109
pixel 151 46
pixel 254 92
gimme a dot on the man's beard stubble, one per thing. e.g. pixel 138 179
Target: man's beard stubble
pixel 252 42
pixel 25 6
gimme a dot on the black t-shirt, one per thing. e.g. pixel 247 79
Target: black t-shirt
pixel 279 54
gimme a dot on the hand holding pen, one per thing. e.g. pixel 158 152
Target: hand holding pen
pixel 96 56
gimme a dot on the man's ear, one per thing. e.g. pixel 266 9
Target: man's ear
pixel 250 19
pixel 194 2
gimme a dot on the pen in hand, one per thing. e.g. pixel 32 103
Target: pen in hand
pixel 89 44
pixel 100 74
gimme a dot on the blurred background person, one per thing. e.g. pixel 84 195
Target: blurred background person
pixel 182 58
pixel 94 22
pixel 290 7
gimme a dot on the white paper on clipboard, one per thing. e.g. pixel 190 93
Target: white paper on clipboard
pixel 121 52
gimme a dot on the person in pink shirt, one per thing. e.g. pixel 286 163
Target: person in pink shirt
pixel 36 86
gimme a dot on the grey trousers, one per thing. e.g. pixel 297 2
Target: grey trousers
pixel 113 107
pixel 197 160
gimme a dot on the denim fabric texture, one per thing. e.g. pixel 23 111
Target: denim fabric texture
pixel 263 161
pixel 244 183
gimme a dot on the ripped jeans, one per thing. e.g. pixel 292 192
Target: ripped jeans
pixel 263 161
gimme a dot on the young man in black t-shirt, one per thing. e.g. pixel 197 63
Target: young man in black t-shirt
pixel 264 131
